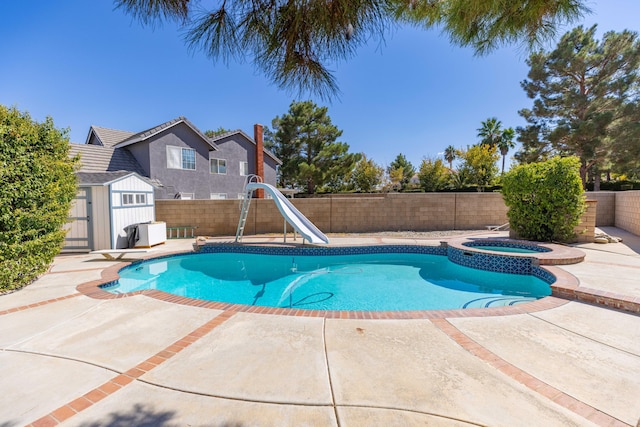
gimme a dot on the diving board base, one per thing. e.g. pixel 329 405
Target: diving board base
pixel 109 253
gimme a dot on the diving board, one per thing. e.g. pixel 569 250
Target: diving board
pixel 293 216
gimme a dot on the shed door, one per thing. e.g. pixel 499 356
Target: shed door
pixel 78 234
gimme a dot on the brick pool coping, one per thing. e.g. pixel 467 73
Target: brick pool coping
pixel 566 288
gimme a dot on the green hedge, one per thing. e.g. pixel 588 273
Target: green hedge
pixel 615 185
pixel 37 185
pixel 545 200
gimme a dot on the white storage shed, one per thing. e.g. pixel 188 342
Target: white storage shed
pixel 107 203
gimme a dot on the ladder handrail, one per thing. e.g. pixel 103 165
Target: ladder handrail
pixel 246 202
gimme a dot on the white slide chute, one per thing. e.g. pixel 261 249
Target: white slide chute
pixel 293 216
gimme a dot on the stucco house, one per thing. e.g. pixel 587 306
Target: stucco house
pixel 180 160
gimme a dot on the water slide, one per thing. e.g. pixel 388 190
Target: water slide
pixel 292 215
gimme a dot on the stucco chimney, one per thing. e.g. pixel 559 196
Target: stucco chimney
pixel 257 136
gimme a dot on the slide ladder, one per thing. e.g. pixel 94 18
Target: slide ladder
pixel 246 203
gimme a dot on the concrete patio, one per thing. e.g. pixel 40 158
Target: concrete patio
pixel 138 361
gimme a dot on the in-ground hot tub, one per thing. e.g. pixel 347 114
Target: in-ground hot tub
pixel 465 249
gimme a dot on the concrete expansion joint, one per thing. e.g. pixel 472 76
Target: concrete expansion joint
pixel 533 383
pixel 326 360
pixel 122 379
pixel 583 335
pixel 415 411
pixel 235 398
pixel 56 356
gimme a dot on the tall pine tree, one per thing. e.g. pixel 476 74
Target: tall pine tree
pixel 306 142
pixel 582 92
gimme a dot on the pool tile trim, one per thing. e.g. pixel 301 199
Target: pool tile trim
pixel 557 255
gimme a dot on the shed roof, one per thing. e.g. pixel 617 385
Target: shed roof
pixel 101 178
pixel 89 179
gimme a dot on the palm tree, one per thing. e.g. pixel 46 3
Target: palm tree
pixel 490 132
pixel 505 143
pixel 450 155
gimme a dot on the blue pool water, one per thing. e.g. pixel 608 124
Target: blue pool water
pixel 372 282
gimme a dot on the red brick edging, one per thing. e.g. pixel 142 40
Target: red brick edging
pixel 38 304
pixel 557 396
pixel 70 409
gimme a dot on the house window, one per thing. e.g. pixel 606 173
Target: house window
pixel 218 166
pixel 185 196
pixel 132 199
pixel 218 196
pixel 244 168
pixel 181 158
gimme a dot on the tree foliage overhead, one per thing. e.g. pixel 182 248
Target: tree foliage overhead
pixel 37 185
pixel 585 98
pixel 306 142
pixel 294 42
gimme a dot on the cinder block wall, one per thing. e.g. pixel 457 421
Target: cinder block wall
pixel 606 213
pixel 586 230
pixel 628 211
pixel 389 212
pixel 473 209
pixel 342 214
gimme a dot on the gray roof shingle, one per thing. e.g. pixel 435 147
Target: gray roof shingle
pixel 216 139
pixel 141 136
pixel 109 137
pixel 99 178
pixel 96 158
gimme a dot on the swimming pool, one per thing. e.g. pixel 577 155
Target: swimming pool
pixel 379 278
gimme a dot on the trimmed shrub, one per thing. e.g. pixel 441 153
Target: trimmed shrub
pixel 37 185
pixel 545 200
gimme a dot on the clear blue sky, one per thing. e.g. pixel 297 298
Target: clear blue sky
pixel 84 63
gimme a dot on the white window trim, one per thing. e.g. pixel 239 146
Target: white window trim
pixel 180 160
pixel 218 173
pixel 242 169
pixel 134 199
pixel 218 196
